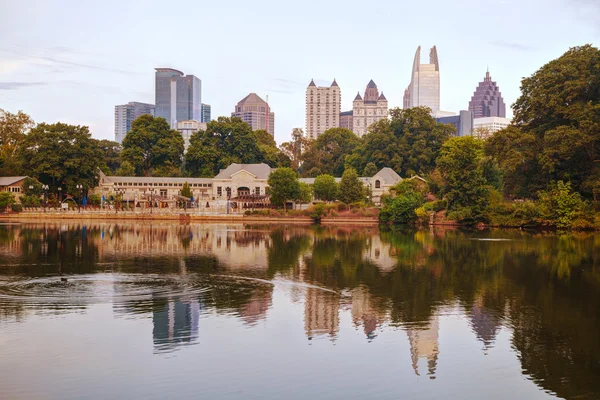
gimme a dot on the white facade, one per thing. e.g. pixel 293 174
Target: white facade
pixel 367 111
pixel 323 106
pixel 490 124
pixel 188 128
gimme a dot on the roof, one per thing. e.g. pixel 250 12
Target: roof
pixel 382 97
pixel 261 171
pixel 175 71
pixel 388 175
pixel 372 84
pixel 334 83
pixel 154 179
pixel 10 180
pixel 343 113
pixel 357 97
pixel 252 98
pixel 312 83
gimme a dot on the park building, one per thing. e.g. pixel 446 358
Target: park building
pixel 12 184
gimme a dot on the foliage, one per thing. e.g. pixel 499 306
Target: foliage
pixel 283 186
pixel 305 193
pixel 409 142
pixel 37 187
pixel 294 148
pixel 325 187
pixel 272 155
pixel 464 187
pixel 152 143
pixel 317 211
pixel 328 152
pixel 6 199
pixel 125 169
pixel 16 207
pixel 225 141
pixel 370 169
pixel 13 129
pixel 30 201
pixel 350 189
pixel 61 155
pixel 166 169
pixel 112 155
pixel 561 206
pixel 186 191
pixel 402 208
pixel 94 199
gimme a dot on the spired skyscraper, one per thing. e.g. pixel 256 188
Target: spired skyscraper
pixel 487 100
pixel 178 97
pixel 424 88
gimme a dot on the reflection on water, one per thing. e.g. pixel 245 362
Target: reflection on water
pixel 530 298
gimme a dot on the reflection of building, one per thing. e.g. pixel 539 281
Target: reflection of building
pixel 321 313
pixel 125 115
pixel 364 311
pixel 255 112
pixel 381 254
pixel 424 88
pixel 258 305
pixel 424 345
pixel 368 110
pixel 178 96
pixel 323 106
pixel 485 324
pixel 175 324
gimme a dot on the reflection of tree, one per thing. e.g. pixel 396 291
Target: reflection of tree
pixel 284 251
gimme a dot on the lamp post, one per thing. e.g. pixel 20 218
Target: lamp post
pixel 370 194
pixel 45 188
pixel 80 188
pixel 60 197
pixel 151 190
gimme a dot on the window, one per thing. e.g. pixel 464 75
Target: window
pixel 219 191
pixel 377 184
pixel 257 190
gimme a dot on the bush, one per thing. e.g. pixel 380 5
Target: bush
pixel 317 211
pixel 561 207
pixel 17 207
pixel 30 201
pixel 401 209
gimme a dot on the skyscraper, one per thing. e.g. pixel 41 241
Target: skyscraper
pixel 178 97
pixel 323 106
pixel 369 110
pixel 487 100
pixel 255 112
pixel 127 113
pixel 424 88
pixel 205 111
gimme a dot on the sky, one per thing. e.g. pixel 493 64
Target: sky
pixel 73 61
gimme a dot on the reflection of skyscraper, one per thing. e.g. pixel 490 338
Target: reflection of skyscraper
pixel 175 324
pixel 424 344
pixel 321 313
pixel 364 311
pixel 485 324
pixel 424 88
pixel 256 309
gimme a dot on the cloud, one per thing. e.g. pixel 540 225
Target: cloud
pixel 57 61
pixel 18 85
pixel 513 46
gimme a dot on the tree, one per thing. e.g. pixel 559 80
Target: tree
pixel 401 209
pixel 305 193
pixel 186 191
pixel 225 141
pixel 6 199
pixel 409 142
pixel 61 155
pixel 370 170
pixel 13 129
pixel 272 155
pixel 561 206
pixel 112 155
pixel 351 188
pixel 125 169
pixel 464 185
pixel 152 143
pixel 294 148
pixel 328 152
pixel 325 187
pixel 283 186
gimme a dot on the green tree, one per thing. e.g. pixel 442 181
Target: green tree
pixel 152 143
pixel 305 193
pixel 112 155
pixel 294 148
pixel 328 152
pixel 125 169
pixel 409 142
pixel 561 206
pixel 351 188
pixel 370 170
pixel 61 155
pixel 186 191
pixel 464 185
pixel 272 155
pixel 325 187
pixel 6 200
pixel 401 209
pixel 13 129
pixel 225 141
pixel 283 186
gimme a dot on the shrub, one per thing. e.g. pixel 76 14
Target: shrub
pixel 560 206
pixel 317 211
pixel 401 209
pixel 30 201
pixel 17 207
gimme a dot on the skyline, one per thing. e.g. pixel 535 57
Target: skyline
pixel 76 70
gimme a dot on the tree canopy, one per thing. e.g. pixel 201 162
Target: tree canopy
pixel 284 186
pixel 13 128
pixel 152 143
pixel 294 148
pixel 328 152
pixel 325 187
pixel 350 189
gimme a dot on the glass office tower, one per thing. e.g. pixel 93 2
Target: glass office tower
pixel 424 88
pixel 178 97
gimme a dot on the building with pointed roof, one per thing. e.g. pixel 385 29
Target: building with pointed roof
pixel 368 110
pixel 487 100
pixel 255 112
pixel 323 106
pixel 424 88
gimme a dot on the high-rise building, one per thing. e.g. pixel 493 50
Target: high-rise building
pixel 188 128
pixel 323 106
pixel 424 88
pixel 486 126
pixel 346 119
pixel 205 112
pixel 487 100
pixel 178 97
pixel 255 112
pixel 369 110
pixel 463 122
pixel 125 115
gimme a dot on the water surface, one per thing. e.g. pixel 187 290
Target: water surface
pixel 165 310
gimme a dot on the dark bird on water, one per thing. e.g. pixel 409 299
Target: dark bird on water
pixel 64 280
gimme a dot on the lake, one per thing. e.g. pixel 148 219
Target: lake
pixel 232 311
